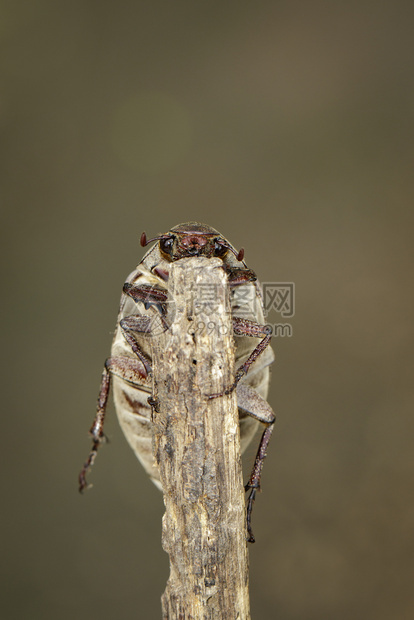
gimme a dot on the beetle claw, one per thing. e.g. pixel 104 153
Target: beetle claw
pixel 250 503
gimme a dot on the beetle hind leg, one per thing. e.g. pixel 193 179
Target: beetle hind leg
pixel 96 430
pixel 254 481
pixel 257 407
pixel 128 369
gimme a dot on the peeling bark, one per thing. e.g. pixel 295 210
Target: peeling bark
pixel 197 449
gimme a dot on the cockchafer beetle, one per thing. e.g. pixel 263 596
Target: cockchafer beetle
pixel 143 313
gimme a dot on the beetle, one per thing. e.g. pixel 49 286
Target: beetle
pixel 142 314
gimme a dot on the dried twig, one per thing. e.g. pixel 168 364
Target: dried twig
pixel 197 448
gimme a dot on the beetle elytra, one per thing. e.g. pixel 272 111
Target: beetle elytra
pixel 142 315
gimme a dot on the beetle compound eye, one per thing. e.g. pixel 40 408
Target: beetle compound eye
pixel 219 248
pixel 166 245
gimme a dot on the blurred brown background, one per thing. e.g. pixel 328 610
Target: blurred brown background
pixel 288 126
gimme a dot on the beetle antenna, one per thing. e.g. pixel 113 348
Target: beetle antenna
pixel 239 255
pixel 144 241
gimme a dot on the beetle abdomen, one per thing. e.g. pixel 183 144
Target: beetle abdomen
pixel 134 415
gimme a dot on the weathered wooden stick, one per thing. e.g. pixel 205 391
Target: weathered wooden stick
pixel 197 448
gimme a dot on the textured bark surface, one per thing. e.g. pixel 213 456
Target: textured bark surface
pixel 197 447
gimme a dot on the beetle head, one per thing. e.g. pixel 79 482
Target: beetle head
pixel 192 239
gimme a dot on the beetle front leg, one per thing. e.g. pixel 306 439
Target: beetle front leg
pixel 254 405
pixel 150 296
pixel 245 327
pixel 240 275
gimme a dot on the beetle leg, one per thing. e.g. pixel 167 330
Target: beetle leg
pixel 96 429
pixel 250 401
pixel 245 327
pixel 140 324
pixel 240 275
pixel 129 370
pixel 148 295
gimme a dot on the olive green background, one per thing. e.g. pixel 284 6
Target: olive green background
pixel 288 126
